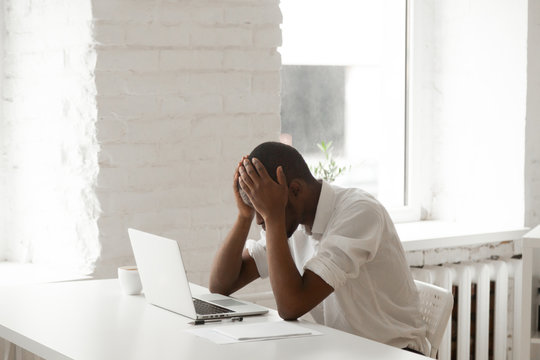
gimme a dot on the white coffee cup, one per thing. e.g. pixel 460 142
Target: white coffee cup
pixel 129 279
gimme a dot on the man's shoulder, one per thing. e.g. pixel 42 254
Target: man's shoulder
pixel 355 198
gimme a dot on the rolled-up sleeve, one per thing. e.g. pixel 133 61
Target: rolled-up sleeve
pixel 346 248
pixel 257 250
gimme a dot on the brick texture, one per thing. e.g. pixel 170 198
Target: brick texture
pixel 184 90
pixel 48 146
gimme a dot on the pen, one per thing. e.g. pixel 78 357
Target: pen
pixel 202 322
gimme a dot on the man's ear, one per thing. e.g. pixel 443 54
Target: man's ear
pixel 295 187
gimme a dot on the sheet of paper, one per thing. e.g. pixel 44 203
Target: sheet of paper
pixel 266 330
pixel 222 334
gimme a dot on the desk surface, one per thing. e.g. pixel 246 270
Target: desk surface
pixel 94 320
pixel 12 273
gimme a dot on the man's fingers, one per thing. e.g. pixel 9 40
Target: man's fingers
pixel 240 163
pixel 247 190
pixel 260 167
pixel 245 177
pixel 250 169
pixel 236 181
pixel 244 186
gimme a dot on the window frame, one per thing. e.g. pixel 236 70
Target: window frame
pixel 417 135
pixel 3 161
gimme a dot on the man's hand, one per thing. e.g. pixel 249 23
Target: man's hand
pixel 244 210
pixel 268 197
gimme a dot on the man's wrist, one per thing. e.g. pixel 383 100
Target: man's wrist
pixel 275 219
pixel 245 218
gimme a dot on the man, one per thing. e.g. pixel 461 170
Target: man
pixel 346 266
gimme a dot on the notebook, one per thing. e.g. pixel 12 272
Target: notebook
pixel 165 283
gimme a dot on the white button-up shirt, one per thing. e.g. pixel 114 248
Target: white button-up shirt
pixel 354 247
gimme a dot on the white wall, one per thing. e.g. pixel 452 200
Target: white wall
pixel 477 86
pixel 48 146
pixel 184 89
pixel 532 145
pixel 141 109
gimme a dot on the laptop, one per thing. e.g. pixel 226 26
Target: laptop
pixel 165 283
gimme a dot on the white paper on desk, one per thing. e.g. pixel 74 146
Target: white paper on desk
pixel 229 334
pixel 265 330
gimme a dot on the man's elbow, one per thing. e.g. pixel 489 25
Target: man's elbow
pixel 217 288
pixel 290 313
pixel 288 317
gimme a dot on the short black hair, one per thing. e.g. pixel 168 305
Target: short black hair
pixel 274 154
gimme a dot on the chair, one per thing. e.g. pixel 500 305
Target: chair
pixel 435 307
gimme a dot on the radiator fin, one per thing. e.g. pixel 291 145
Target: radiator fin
pixel 479 329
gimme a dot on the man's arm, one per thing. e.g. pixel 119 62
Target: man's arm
pixel 295 294
pixel 233 268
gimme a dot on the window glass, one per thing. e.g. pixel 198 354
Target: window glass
pixel 343 80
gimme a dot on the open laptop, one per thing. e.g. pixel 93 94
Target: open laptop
pixel 165 283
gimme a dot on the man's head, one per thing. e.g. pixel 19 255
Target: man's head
pixel 300 181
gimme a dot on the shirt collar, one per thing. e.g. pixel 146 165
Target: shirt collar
pixel 325 208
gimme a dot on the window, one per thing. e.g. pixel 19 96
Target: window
pixel 344 80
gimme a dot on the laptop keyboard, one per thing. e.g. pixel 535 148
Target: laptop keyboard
pixel 206 308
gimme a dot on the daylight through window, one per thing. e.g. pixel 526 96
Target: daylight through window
pixel 343 80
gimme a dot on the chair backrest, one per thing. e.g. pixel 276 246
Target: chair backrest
pixel 435 307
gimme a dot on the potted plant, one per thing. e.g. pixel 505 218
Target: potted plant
pixel 327 169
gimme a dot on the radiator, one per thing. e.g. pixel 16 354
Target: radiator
pixel 487 293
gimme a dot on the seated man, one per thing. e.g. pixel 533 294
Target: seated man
pixel 346 266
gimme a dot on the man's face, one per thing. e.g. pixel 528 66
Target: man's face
pixel 291 220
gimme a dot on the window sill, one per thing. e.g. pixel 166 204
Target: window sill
pixel 425 235
pixel 12 273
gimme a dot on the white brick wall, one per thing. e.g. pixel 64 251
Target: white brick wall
pixel 48 146
pixel 184 89
pixel 450 255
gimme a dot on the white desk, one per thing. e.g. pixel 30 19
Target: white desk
pixel 94 320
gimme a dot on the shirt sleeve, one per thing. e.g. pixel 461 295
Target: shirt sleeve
pixel 352 241
pixel 257 250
